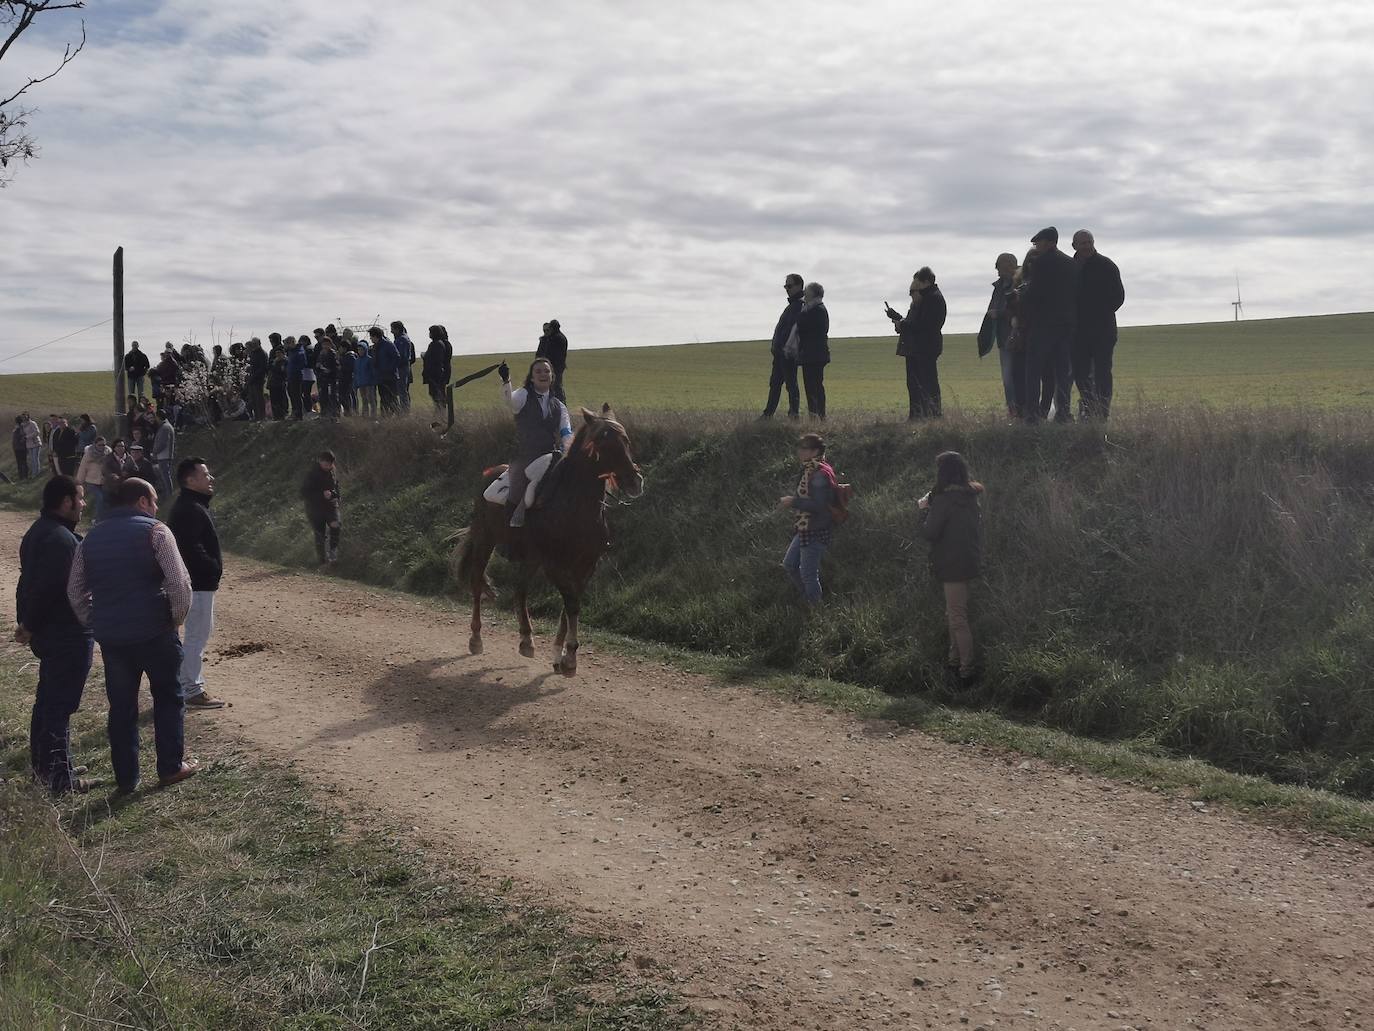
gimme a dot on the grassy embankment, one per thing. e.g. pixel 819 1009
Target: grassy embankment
pixel 1325 361
pixel 1197 584
pixel 233 901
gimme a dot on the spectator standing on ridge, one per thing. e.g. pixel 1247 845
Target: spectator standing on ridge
pixel 296 359
pixel 255 379
pixel 276 383
pixel 321 493
pixel 920 341
pixel 198 544
pixel 365 379
pixel 952 521
pixel 91 474
pixel 168 369
pixel 164 451
pixel 135 369
pixel 386 367
pixel 1100 295
pixel 997 324
pixel 65 443
pixel 814 524
pixel 348 360
pixel 47 624
pixel 86 432
pixel 1049 303
pixel 784 373
pixel 327 376
pixel 813 346
pixel 19 439
pixel 553 347
pixel 434 368
pixel 405 356
pixel 33 445
pixel 308 377
pixel 129 585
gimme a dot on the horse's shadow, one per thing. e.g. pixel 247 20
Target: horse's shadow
pixel 446 706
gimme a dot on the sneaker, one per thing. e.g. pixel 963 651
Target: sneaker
pixel 204 700
pixel 79 786
pixel 188 770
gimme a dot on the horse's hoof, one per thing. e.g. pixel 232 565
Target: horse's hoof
pixel 566 668
pixel 475 646
pixel 527 649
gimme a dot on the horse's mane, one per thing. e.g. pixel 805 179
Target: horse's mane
pixel 583 440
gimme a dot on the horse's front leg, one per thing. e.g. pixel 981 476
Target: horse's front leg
pixel 562 637
pixel 567 661
pixel 522 590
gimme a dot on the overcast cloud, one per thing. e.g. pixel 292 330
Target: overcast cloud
pixel 649 173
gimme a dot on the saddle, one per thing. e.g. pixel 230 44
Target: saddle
pixel 538 488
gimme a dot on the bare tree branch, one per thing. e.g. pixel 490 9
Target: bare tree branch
pixel 16 17
pixel 67 56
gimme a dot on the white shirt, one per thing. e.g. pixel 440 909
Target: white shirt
pixel 516 399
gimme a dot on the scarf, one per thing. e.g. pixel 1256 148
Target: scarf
pixel 809 469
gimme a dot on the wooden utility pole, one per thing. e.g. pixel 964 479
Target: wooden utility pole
pixel 119 330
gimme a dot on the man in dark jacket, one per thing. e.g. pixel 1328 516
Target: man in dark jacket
pixel 64 447
pixel 553 345
pixel 1050 302
pixel 1100 295
pixel 139 464
pixel 920 341
pixel 255 379
pixel 813 347
pixel 47 624
pixel 198 544
pixel 784 372
pixel 135 368
pixel 386 363
pixel 321 494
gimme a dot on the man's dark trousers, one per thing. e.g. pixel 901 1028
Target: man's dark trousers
pixel 784 375
pixel 125 664
pixel 1092 370
pixel 64 662
pixel 390 400
pixel 922 385
pixel 1049 345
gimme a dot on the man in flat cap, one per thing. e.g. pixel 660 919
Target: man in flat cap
pixel 1100 294
pixel 1049 300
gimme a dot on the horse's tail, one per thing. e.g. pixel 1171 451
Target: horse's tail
pixel 460 563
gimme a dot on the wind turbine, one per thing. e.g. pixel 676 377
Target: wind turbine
pixel 1236 304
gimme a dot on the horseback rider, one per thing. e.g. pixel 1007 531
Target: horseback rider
pixel 542 425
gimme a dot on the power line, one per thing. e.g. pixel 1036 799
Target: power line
pixel 39 347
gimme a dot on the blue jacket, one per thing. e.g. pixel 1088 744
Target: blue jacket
pixel 128 603
pixel 296 361
pixel 45 562
pixel 386 362
pixel 405 353
pixel 364 375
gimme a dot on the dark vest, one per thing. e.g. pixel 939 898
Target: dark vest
pixel 129 605
pixel 538 433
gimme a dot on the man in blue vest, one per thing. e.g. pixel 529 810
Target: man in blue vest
pixel 47 624
pixel 130 586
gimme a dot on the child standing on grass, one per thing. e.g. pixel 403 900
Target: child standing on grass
pixel 814 525
pixel 952 521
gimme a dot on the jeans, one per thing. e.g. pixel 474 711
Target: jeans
pixel 195 635
pixel 922 385
pixel 813 379
pixel 35 461
pixel 125 664
pixel 348 397
pixel 438 395
pixel 21 462
pixel 960 635
pixel 164 472
pixel 403 392
pixel 64 663
pixel 387 393
pixel 326 539
pixel 1092 371
pixel 369 405
pixel 803 565
pixel 1013 377
pixel 1048 346
pixel 784 374
pixel 294 392
pixel 136 386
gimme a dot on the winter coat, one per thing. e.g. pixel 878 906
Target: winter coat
pixel 347 362
pixel 276 372
pixel 554 347
pixel 169 371
pixel 1049 295
pixel 919 333
pixel 954 526
pixel 257 366
pixel 820 496
pixel 364 374
pixel 405 357
pixel 783 329
pixel 813 335
pixel 327 364
pixel 164 446
pixel 45 562
pixel 386 362
pixel 113 470
pixel 92 467
pixel 318 508
pixel 64 442
pixel 197 539
pixel 136 363
pixel 435 367
pixel 297 360
pixel 143 468
pixel 1100 294
pixel 87 436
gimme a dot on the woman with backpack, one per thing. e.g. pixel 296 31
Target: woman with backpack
pixel 952 521
pixel 816 494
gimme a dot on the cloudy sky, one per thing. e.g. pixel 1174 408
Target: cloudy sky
pixel 647 173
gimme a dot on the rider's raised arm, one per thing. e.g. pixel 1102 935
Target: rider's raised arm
pixel 514 397
pixel 565 431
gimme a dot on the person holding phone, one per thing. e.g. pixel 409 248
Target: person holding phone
pixel 920 341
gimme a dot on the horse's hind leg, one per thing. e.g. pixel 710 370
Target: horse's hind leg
pixel 558 641
pixel 481 556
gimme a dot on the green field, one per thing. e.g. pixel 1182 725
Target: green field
pixel 1325 361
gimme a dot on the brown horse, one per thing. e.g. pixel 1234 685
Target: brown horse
pixel 564 535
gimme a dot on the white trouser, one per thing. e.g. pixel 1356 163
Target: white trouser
pixel 195 635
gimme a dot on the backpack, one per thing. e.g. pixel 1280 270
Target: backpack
pixel 839 509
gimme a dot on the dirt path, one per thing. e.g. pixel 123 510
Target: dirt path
pixel 786 867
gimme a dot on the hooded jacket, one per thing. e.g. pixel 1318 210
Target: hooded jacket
pixel 953 524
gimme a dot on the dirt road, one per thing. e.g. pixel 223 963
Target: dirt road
pixel 784 867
